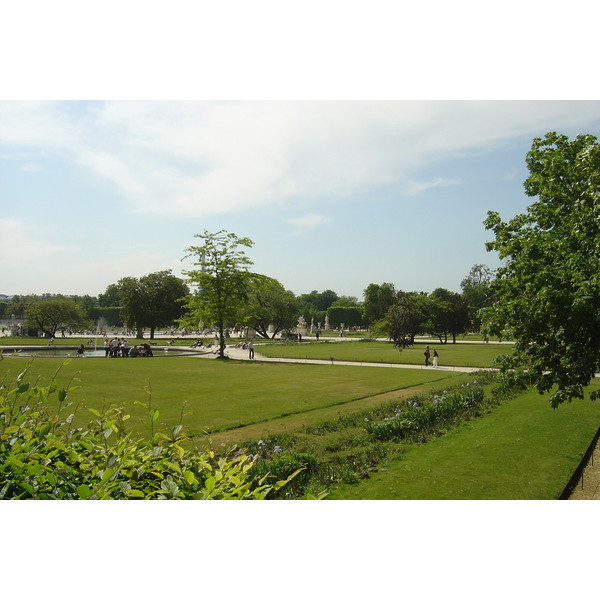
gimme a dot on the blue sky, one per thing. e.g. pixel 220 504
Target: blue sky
pixel 334 194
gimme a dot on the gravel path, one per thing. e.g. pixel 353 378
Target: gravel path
pixel 588 487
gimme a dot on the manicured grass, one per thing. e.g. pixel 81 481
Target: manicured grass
pixel 222 394
pixel 464 355
pixel 521 450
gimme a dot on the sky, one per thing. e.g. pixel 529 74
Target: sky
pixel 348 163
pixel 334 194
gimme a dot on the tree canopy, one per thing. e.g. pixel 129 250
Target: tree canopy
pixel 152 301
pixel 270 305
pixel 51 314
pixel 222 277
pixel 548 289
pixel 378 300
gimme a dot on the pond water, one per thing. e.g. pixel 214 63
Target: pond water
pixel 57 352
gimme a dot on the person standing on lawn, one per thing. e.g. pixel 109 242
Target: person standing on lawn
pixel 435 358
pixel 427 354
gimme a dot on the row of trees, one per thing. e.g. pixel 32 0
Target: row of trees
pixel 239 297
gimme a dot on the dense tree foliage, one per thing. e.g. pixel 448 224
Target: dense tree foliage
pixel 448 314
pixel 319 301
pixel 110 297
pixel 50 315
pixel 270 305
pixel 477 292
pixel 152 301
pixel 548 289
pixel 377 301
pixel 348 316
pixel 404 319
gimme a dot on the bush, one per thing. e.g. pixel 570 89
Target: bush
pixel 425 417
pixel 283 466
pixel 42 456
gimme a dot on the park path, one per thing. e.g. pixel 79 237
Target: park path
pixel 240 354
pixel 588 486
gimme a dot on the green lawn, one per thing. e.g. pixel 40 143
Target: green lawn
pixel 522 450
pixel 223 394
pixel 464 355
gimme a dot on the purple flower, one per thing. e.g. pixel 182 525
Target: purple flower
pixel 277 449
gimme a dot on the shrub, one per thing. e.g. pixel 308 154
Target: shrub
pixel 283 466
pixel 424 417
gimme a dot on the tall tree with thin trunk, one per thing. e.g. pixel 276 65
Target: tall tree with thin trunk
pixel 222 279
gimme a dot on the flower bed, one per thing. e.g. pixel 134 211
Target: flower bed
pixel 426 416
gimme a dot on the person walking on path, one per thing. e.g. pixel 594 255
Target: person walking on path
pixel 426 354
pixel 250 349
pixel 435 358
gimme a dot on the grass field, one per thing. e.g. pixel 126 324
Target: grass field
pixel 223 395
pixel 521 449
pixel 464 355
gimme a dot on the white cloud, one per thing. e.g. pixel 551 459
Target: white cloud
pixel 205 158
pixel 308 221
pixel 22 242
pixel 414 188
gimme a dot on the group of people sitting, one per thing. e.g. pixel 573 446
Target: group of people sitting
pixel 116 347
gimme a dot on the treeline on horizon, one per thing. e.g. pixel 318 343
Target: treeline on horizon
pixel 440 312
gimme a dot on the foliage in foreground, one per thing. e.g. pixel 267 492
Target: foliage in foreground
pixel 42 456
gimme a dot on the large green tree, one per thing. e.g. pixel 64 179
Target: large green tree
pixel 270 305
pixel 154 300
pixel 377 301
pixel 448 313
pixel 477 292
pixel 222 278
pixel 52 314
pixel 110 297
pixel 404 319
pixel 548 289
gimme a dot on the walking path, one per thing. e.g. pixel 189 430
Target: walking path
pixel 240 354
pixel 588 486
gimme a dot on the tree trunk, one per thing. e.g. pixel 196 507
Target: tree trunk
pixel 221 340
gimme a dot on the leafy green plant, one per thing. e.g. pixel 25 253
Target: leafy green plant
pixel 424 417
pixel 43 456
pixel 281 466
